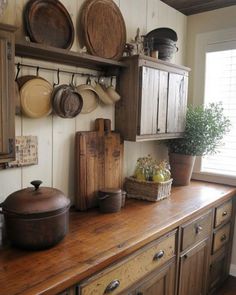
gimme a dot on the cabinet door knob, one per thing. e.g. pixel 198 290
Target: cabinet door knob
pixel 158 129
pixel 198 229
pixel 223 237
pixel 159 255
pixel 224 213
pixel 112 286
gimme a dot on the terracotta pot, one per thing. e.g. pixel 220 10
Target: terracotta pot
pixel 181 168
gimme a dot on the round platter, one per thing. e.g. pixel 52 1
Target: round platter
pixel 103 28
pixel 49 23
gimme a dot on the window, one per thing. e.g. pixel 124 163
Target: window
pixel 220 85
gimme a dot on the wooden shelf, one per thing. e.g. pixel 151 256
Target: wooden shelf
pixel 62 56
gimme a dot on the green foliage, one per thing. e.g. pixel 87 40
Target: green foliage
pixel 205 128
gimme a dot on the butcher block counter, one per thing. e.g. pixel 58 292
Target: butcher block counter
pixel 96 241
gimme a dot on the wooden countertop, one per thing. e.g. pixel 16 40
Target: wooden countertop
pixel 96 240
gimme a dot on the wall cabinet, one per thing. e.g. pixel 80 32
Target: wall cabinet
pixel 153 99
pixel 7 110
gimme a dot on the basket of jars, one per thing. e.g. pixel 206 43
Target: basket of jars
pixel 151 181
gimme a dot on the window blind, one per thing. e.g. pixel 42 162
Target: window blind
pixel 220 86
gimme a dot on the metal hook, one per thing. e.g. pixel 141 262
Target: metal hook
pixel 37 71
pixel 58 78
pixel 88 82
pixel 18 70
pixel 72 79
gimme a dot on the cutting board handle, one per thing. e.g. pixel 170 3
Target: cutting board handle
pixel 99 126
pixel 103 125
pixel 107 125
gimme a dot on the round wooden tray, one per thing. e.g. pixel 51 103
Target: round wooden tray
pixel 103 28
pixel 48 22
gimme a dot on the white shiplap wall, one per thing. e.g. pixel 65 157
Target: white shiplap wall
pixel 56 135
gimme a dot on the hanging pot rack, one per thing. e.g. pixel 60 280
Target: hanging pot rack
pixel 58 71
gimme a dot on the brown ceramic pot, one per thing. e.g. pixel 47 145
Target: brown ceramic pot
pixel 36 217
pixel 181 168
pixel 110 200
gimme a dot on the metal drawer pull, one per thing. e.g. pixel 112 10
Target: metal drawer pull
pixel 223 237
pixel 112 286
pixel 158 255
pixel 224 213
pixel 198 229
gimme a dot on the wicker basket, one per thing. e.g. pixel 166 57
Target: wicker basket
pixel 147 190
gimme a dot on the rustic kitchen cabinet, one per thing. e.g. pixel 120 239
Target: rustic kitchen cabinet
pixel 221 244
pixel 153 99
pixel 148 248
pixel 7 115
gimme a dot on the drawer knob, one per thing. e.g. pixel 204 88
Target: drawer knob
pixel 224 213
pixel 112 286
pixel 198 229
pixel 223 237
pixel 158 255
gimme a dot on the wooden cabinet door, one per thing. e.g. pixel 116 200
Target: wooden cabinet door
pixel 161 282
pixel 7 111
pixel 218 270
pixel 177 103
pixel 149 100
pixel 153 103
pixel 193 270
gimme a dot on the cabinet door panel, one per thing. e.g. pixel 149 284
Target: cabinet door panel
pixel 149 101
pixel 193 270
pixel 162 282
pixel 177 103
pixel 218 270
pixel 162 102
pixel 3 95
pixel 7 90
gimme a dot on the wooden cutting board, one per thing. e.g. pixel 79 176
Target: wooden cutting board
pixel 98 163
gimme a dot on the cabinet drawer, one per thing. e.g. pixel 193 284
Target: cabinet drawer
pixel 124 274
pixel 221 237
pixel 223 213
pixel 196 230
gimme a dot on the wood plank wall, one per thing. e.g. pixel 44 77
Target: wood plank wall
pixel 56 135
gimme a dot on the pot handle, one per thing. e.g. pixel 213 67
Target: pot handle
pixel 1 212
pixel 104 197
pixel 36 184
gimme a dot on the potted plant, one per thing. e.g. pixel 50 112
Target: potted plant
pixel 205 128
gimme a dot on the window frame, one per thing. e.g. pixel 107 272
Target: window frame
pixel 208 42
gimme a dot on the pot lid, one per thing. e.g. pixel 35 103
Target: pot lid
pixel 35 200
pixel 110 190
